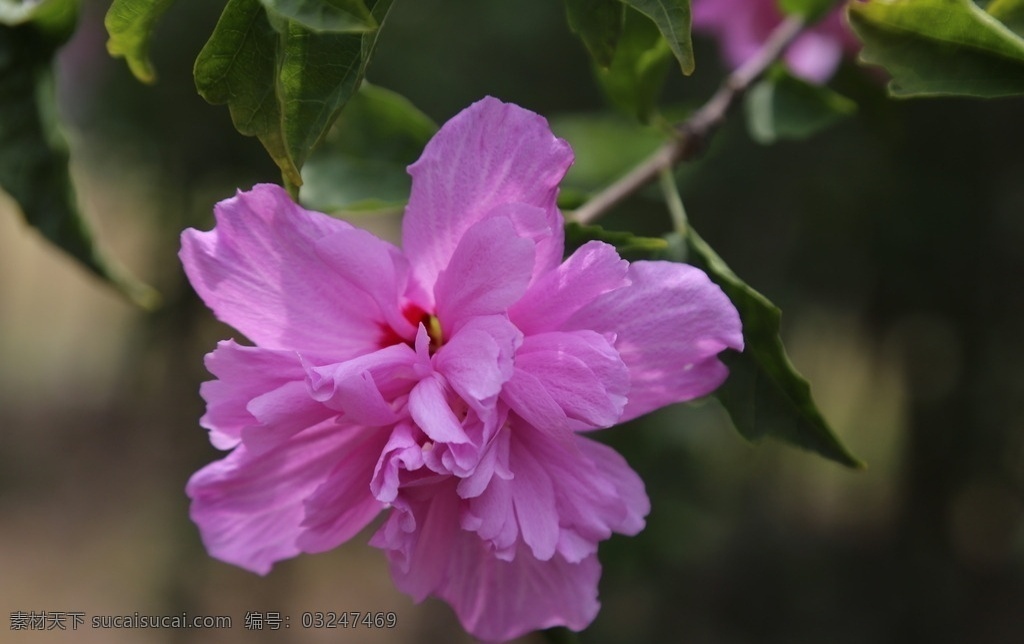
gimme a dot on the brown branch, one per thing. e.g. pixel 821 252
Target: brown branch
pixel 694 132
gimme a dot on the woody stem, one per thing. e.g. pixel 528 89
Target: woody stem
pixel 692 135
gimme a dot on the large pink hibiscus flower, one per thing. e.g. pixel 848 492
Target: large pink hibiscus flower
pixel 449 384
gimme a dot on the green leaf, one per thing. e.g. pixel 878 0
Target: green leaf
pixel 607 146
pixel 809 9
pixel 319 73
pixel 598 23
pixel 940 47
pixel 17 12
pixel 55 20
pixel 338 16
pixel 630 246
pixel 672 18
pixel 781 106
pixel 33 153
pixel 637 72
pixel 764 394
pixel 238 67
pixel 14 12
pixel 362 162
pixel 130 24
pixel 282 82
pixel 1010 13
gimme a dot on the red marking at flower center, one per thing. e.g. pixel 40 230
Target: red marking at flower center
pixel 416 316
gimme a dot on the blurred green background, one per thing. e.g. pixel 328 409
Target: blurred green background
pixel 893 242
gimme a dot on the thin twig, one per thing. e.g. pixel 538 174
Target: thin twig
pixel 694 132
pixel 674 202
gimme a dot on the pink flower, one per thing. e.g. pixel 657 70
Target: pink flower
pixel 742 26
pixel 449 383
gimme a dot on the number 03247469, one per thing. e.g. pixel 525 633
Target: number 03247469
pixel 349 619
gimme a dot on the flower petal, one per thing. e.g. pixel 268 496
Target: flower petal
pixel 478 360
pixel 429 408
pixel 625 514
pixel 374 267
pixel 401 453
pixel 562 495
pixel 533 498
pixel 814 56
pixel 669 325
pixel 527 396
pixel 419 536
pixel 493 462
pixel 249 508
pixel 243 373
pixel 363 388
pixel 595 268
pixel 579 370
pixel 496 599
pixel 488 155
pixel 488 272
pixel 281 414
pixel 259 271
pixel 344 502
pixel 491 515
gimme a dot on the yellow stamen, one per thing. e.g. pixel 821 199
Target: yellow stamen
pixel 434 332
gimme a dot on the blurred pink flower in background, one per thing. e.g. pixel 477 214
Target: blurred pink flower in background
pixel 742 26
pixel 450 382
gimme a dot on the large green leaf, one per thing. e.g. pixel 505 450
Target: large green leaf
pixel 598 23
pixel 638 69
pixel 940 47
pixel 318 74
pixel 283 82
pixel 238 66
pixel 1010 13
pixel 781 106
pixel 340 16
pixel 672 18
pixel 362 162
pixel 764 394
pixel 130 24
pixel 33 153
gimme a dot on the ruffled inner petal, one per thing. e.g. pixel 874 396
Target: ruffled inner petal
pixel 580 371
pixel 562 495
pixel 243 374
pixel 478 360
pixel 428 404
pixel 364 390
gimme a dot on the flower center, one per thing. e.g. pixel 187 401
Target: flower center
pixel 416 316
pixel 433 332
